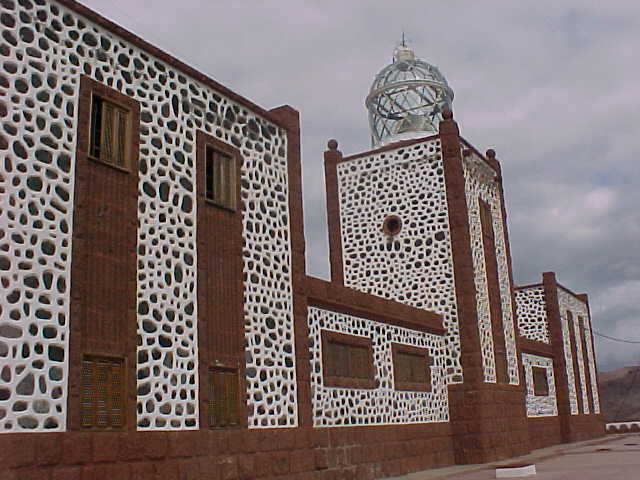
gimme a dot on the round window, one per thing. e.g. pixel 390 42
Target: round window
pixel 392 225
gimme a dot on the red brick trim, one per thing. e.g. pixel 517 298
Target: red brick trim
pixel 165 57
pixel 104 252
pixel 535 347
pixel 331 158
pixel 90 87
pixel 531 285
pixel 493 287
pixel 574 357
pixel 554 321
pixel 220 280
pixel 585 298
pixel 461 252
pixel 345 300
pixel 290 119
pixel 585 361
pixel 305 453
pixel 467 448
pixel 544 431
pixel 505 229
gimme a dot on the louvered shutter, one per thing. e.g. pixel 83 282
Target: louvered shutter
pixel 106 144
pixel 116 393
pixel 87 394
pixel 231 405
pixel 223 398
pixel 102 393
pixel 120 137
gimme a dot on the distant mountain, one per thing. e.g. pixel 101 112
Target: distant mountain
pixel 620 394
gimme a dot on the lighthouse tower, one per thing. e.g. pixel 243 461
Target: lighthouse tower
pixel 420 219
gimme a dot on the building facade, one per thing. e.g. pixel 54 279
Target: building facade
pixel 156 319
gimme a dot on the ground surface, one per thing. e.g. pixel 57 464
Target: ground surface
pixel 614 457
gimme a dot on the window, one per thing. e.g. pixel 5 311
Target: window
pixel 411 368
pixel 102 393
pixel 109 138
pixel 486 220
pixel 220 178
pixel 392 225
pixel 224 407
pixel 540 382
pixel 347 361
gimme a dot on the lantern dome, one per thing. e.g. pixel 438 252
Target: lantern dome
pixel 406 99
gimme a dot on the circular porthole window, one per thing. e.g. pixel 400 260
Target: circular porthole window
pixel 392 225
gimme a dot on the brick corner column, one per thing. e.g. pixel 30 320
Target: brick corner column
pixel 598 419
pixel 517 394
pixel 461 250
pixel 331 158
pixel 467 401
pixel 289 118
pixel 554 320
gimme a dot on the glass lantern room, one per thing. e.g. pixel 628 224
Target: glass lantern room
pixel 406 99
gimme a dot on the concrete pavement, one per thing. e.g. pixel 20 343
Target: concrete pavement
pixel 614 457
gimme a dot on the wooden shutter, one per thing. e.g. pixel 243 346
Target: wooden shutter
pixel 220 178
pixel 358 362
pixel 116 395
pixel 411 368
pixel 223 398
pixel 95 133
pixel 540 381
pixel 106 144
pixel 231 397
pixel 101 384
pixel 230 184
pixel 102 393
pixel 208 174
pixel 87 395
pixel 109 132
pixel 120 137
pixel 347 361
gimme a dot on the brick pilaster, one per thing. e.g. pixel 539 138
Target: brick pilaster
pixel 554 320
pixel 482 430
pixel 103 318
pixel 331 159
pixel 290 119
pixel 491 158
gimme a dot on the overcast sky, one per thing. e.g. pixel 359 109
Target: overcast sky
pixel 552 86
